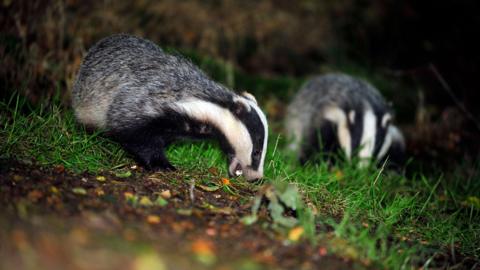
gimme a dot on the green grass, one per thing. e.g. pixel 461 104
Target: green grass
pixel 49 136
pixel 372 215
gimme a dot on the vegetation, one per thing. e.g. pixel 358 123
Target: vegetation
pixel 425 216
pixel 373 216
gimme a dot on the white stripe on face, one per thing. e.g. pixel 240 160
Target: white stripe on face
pixel 394 135
pixel 351 116
pixel 385 119
pixel 338 116
pixel 367 141
pixel 235 131
pixel 386 143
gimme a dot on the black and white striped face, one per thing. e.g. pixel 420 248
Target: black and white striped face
pixel 243 128
pixel 249 154
pixel 364 133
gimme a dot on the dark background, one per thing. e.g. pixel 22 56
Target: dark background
pixel 421 54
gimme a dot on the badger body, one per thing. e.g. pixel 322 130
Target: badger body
pixel 337 111
pixel 145 99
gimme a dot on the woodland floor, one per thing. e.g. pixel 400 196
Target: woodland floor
pixel 53 219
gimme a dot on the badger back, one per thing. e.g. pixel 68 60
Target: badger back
pixel 114 63
pixel 126 81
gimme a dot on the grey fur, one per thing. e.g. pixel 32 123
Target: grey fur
pixel 306 113
pixel 127 82
pixel 133 76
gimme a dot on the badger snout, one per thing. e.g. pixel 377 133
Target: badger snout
pixel 248 173
pixel 252 175
pixel 235 169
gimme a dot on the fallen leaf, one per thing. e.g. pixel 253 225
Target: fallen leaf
pixel 182 226
pixel 128 195
pixel 226 181
pixel 101 178
pixel 99 192
pixel 153 219
pixel 54 190
pixel 249 220
pixel 166 194
pixel 145 201
pixel 219 210
pixel 208 188
pixel 79 191
pixel 203 251
pixel 149 261
pixel 123 174
pixel 131 198
pixel 184 212
pixel 160 201
pixel 295 234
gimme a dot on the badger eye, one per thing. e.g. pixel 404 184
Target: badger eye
pixel 256 152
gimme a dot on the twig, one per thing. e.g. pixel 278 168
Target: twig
pixel 448 89
pixel 192 187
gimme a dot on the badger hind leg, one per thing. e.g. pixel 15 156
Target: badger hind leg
pixel 147 148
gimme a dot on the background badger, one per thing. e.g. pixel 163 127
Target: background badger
pixel 338 111
pixel 145 99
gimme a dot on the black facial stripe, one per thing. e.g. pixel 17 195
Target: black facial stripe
pixel 379 137
pixel 356 131
pixel 257 133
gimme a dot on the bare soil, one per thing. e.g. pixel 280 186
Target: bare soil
pixel 53 219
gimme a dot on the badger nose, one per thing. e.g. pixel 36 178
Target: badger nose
pixel 253 176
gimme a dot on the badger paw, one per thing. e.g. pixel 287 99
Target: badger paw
pixel 160 165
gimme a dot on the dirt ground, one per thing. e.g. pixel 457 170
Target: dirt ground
pixel 53 219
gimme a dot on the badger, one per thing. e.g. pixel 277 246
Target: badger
pixel 146 99
pixel 338 112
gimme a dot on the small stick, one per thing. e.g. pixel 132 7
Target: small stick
pixel 192 187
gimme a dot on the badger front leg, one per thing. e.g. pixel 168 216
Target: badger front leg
pixel 147 149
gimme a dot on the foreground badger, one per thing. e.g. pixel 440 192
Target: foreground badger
pixel 146 99
pixel 336 111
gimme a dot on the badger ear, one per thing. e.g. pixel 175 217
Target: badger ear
pixel 240 106
pixel 248 96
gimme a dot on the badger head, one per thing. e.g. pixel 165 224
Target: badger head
pixel 364 132
pixel 242 131
pixel 248 144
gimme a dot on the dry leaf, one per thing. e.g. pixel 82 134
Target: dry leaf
pixel 153 219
